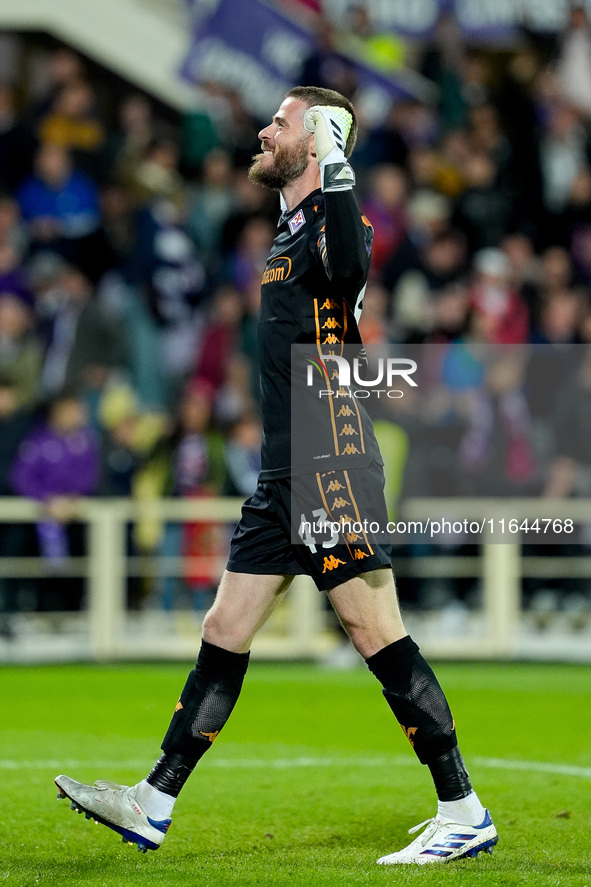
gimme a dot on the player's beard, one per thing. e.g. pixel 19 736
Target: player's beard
pixel 288 165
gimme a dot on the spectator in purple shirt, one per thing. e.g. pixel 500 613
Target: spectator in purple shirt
pixel 56 463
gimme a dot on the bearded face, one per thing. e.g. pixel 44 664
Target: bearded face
pixel 286 164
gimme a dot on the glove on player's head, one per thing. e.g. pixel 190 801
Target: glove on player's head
pixel 330 127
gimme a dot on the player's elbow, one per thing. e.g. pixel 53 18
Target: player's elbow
pixel 350 271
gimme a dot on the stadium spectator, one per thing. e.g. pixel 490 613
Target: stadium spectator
pixel 242 455
pixel 170 281
pixel 157 174
pixel 500 315
pixel 441 62
pixel 496 455
pixel 57 462
pixel 12 230
pixel 363 38
pixel 574 62
pixel 484 210
pixel 16 144
pixel 83 344
pixel 21 355
pixel 209 205
pixel 16 422
pixel 383 143
pixel 486 134
pixel 564 153
pixel 245 264
pixel 220 338
pixel 440 262
pixel 569 471
pixel 559 318
pixel 188 462
pixel 450 313
pixel 128 436
pixel 128 143
pixel 250 203
pixel 62 67
pixel 59 204
pixel 12 275
pixel 428 218
pixel 325 65
pixel 385 204
pixel 238 395
pixel 72 123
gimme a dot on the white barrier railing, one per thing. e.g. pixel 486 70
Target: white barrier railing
pixel 110 632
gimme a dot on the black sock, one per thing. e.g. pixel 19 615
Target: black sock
pixel 205 705
pixel 419 704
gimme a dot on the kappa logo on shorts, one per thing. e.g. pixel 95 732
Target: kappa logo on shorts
pixel 339 502
pixel 347 519
pixel 332 563
pixel 350 450
pixel 334 487
pixel 358 554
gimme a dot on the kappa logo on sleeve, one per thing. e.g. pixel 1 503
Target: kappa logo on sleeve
pixel 298 220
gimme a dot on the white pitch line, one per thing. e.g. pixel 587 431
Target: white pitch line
pixel 534 766
pixel 303 762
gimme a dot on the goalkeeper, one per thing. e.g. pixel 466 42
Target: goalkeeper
pixel 311 294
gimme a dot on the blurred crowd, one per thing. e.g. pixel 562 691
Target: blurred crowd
pixel 132 246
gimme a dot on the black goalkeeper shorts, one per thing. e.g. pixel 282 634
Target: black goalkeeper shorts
pixel 330 526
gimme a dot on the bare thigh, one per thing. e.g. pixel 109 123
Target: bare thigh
pixel 243 604
pixel 368 609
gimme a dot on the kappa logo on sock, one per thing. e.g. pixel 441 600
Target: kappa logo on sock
pixel 409 732
pixel 210 736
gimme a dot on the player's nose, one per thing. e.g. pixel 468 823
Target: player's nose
pixel 265 134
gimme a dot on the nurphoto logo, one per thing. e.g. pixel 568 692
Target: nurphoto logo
pixel 386 371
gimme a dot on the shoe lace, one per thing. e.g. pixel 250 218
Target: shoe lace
pixel 432 826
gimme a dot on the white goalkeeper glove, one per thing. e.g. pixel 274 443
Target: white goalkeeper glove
pixel 331 127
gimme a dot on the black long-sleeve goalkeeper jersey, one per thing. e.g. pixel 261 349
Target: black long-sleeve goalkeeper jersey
pixel 311 295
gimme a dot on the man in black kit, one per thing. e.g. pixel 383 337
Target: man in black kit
pixel 312 289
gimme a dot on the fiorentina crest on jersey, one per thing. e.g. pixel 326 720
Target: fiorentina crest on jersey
pixel 298 220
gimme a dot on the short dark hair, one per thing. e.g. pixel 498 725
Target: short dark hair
pixel 317 95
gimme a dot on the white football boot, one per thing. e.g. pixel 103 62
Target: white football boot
pixel 116 807
pixel 443 841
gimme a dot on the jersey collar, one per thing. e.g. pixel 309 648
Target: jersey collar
pixel 286 213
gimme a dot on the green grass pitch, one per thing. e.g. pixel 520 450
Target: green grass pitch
pixel 310 781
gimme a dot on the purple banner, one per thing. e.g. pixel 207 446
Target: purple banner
pixel 251 47
pixel 486 20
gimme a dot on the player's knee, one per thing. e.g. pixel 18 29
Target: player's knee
pixel 224 632
pixel 369 639
pixel 214 627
